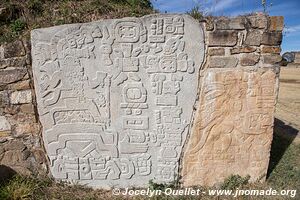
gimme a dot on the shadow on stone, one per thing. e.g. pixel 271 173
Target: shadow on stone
pixel 284 135
pixel 6 173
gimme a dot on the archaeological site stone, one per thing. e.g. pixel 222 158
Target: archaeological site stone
pixel 233 126
pixel 116 97
pixel 163 97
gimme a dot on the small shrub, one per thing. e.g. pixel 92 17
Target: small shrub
pixel 234 181
pixel 17 26
pixel 196 12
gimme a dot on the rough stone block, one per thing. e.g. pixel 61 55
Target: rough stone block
pixel 233 127
pixel 5 127
pixel 271 59
pixel 272 38
pixel 14 49
pixel 276 23
pixel 253 38
pixel 222 38
pixel 27 108
pixel 225 23
pixel 112 97
pixel 222 62
pixel 4 98
pixel 12 62
pixel 270 49
pixel 249 59
pixel 216 51
pixel 20 85
pixel 258 21
pixel 209 25
pixel 16 156
pixel 21 97
pixel 26 128
pixel 244 49
pixel 12 75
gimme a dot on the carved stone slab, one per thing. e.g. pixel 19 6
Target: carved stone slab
pixel 116 97
pixel 233 126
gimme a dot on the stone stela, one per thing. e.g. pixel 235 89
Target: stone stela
pixel 116 97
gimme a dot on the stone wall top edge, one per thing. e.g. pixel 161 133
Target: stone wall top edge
pixel 257 14
pixel 186 16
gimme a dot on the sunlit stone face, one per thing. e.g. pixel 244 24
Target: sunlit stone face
pixel 116 97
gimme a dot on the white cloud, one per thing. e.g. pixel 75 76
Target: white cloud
pixel 292 30
pixel 223 5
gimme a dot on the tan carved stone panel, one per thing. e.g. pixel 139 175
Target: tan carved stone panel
pixel 233 126
pixel 116 97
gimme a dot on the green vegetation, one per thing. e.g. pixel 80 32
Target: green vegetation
pixel 22 188
pixel 196 12
pixel 17 18
pixel 284 169
pixel 235 181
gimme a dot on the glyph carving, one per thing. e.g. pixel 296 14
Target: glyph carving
pixel 233 126
pixel 116 97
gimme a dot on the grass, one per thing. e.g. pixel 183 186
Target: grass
pixel 22 188
pixel 285 166
pixel 22 16
pixel 284 173
pixel 196 12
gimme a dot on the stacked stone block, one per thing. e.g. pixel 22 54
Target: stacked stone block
pixel 20 144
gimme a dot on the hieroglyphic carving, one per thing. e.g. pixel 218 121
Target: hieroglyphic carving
pixel 233 127
pixel 115 97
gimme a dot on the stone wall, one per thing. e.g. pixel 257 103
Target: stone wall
pixel 233 125
pixel 20 138
pixel 233 122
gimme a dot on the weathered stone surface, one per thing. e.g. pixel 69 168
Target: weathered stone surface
pixel 276 23
pixel 271 59
pixel 20 97
pixel 209 25
pixel 222 38
pixel 5 128
pixel 12 62
pixel 20 85
pixel 272 38
pixel 233 127
pixel 253 38
pixel 258 21
pixel 12 75
pixel 270 49
pixel 223 62
pixel 27 108
pixel 4 98
pixel 11 109
pixel 26 128
pixel 244 49
pixel 216 51
pixel 237 23
pixel 249 59
pixel 15 155
pixel 112 97
pixel 14 49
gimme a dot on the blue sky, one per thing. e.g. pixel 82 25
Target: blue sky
pixel 290 9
